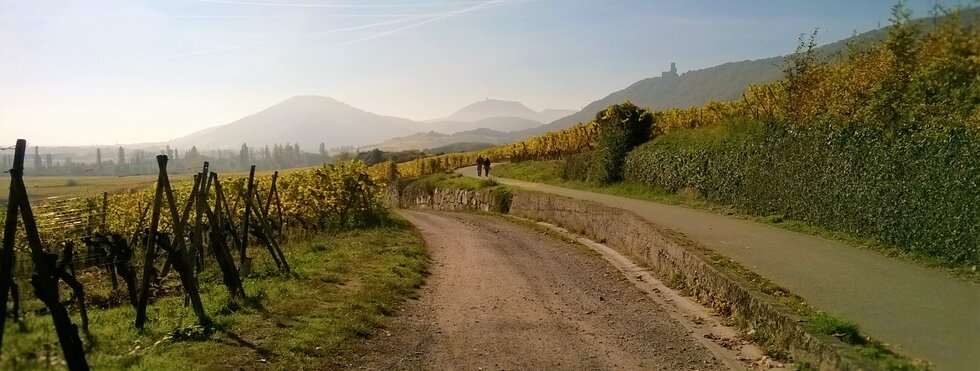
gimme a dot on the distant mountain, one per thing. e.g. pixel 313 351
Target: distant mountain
pixel 491 108
pixel 504 124
pixel 307 120
pixel 500 115
pixel 434 139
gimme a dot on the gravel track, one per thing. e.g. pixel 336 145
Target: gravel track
pixel 505 296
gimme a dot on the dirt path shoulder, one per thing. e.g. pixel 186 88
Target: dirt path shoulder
pixel 505 296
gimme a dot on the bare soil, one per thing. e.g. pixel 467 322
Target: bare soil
pixel 504 296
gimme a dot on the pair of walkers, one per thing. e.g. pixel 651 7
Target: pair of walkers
pixel 482 166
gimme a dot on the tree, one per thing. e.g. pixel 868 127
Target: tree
pixel 98 159
pixel 374 156
pixel 621 128
pixel 243 156
pixel 37 159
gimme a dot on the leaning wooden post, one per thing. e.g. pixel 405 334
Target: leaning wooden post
pixel 222 255
pixel 9 234
pixel 197 244
pixel 204 201
pixel 272 192
pixel 182 260
pixel 105 211
pixel 248 209
pixel 151 246
pixel 228 217
pixel 279 212
pixel 273 245
pixel 45 278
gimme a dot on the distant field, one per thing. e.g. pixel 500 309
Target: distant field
pixel 43 187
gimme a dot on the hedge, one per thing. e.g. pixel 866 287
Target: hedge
pixel 915 188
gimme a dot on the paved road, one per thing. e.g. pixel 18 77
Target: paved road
pixel 927 313
pixel 502 296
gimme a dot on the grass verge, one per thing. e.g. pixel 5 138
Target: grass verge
pixel 343 287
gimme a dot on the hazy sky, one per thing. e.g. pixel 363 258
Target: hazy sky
pixel 105 72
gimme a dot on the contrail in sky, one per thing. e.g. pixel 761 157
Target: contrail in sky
pixel 431 18
pixel 427 21
pixel 335 30
pixel 204 16
pixel 320 5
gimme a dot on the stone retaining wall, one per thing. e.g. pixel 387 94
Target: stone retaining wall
pixel 670 257
pixel 673 259
pixel 457 199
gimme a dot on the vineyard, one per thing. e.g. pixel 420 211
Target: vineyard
pixel 877 140
pixel 171 234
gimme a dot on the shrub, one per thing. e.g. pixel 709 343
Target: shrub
pixel 621 128
pixel 576 166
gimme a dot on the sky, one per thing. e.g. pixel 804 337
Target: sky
pixel 76 72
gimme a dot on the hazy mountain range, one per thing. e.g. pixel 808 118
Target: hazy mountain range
pixel 311 120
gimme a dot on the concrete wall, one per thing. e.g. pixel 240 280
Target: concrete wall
pixel 673 259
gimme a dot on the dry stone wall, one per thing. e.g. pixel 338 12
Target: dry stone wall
pixel 679 263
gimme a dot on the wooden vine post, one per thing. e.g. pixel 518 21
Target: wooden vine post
pixel 105 211
pixel 197 244
pixel 248 209
pixel 46 272
pixel 179 256
pixel 221 204
pixel 264 231
pixel 219 247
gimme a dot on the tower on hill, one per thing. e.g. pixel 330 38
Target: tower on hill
pixel 672 72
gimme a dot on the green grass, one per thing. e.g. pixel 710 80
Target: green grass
pixel 828 324
pixel 549 172
pixel 344 285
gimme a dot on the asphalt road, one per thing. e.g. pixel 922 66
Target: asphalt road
pixel 923 312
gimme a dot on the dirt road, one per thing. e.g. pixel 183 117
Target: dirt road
pixel 506 296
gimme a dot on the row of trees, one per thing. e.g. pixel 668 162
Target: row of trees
pixel 122 162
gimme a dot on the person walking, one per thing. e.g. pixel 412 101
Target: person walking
pixel 479 166
pixel 486 167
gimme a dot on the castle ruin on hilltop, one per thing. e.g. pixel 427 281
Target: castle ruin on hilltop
pixel 671 73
